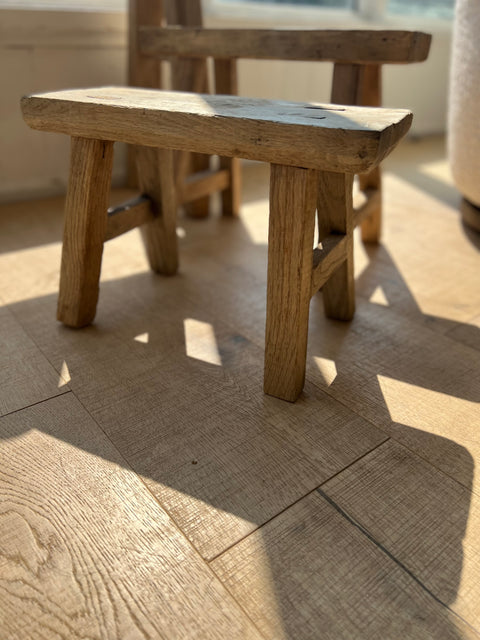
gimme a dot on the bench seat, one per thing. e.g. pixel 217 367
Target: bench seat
pixel 329 137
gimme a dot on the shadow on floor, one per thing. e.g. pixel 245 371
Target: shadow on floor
pixel 199 426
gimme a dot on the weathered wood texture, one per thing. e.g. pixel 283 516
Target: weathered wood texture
pixel 156 179
pixel 85 229
pixel 337 46
pixel 86 551
pixel 327 259
pixel 128 216
pixel 335 215
pixel 293 199
pixel 345 139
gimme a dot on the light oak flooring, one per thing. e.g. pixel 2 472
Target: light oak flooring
pixel 148 488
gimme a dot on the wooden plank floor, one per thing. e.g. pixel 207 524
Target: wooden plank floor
pixel 148 488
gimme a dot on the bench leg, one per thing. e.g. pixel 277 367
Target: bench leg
pixel 335 215
pixel 156 179
pixel 361 84
pixel 84 232
pixel 372 226
pixel 231 196
pixel 226 83
pixel 293 193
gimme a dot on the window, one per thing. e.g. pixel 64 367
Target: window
pixel 334 4
pixel 74 5
pixel 426 8
pixel 373 8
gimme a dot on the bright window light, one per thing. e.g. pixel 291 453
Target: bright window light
pixel 69 5
pixel 371 8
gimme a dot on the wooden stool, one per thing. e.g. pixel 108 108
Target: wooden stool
pixel 171 34
pixel 314 151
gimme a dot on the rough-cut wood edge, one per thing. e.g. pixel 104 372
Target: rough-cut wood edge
pixel 219 129
pixel 357 46
pixel 127 216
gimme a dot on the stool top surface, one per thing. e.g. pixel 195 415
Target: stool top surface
pixel 319 136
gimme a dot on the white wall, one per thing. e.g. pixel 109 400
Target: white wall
pixel 47 50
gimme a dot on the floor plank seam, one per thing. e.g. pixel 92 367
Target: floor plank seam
pixel 471 489
pixel 31 337
pixel 204 561
pixel 390 555
pixel 198 554
pixel 356 461
pixel 240 606
pixel 260 527
pixel 34 404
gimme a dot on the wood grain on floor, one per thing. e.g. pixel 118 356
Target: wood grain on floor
pixel 86 550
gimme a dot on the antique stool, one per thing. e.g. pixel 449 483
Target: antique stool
pixel 314 151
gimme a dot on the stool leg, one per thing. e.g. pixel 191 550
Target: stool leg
pixel 226 83
pixel 361 84
pixel 156 179
pixel 372 226
pixel 293 193
pixel 371 95
pixel 84 232
pixel 335 215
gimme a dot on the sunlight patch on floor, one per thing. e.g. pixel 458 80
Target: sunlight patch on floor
pixel 200 341
pixel 327 368
pixel 438 169
pixel 432 411
pixel 36 269
pixel 379 297
pixel 64 375
pixel 268 611
pixel 143 338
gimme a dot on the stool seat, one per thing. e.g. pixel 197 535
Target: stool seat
pixel 316 136
pixel 314 151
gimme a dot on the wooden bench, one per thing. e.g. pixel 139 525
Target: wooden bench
pixel 314 151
